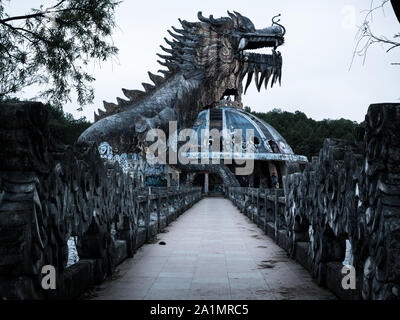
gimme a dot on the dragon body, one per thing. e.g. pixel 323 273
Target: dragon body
pixel 203 61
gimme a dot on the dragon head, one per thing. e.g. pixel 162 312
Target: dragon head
pixel 220 50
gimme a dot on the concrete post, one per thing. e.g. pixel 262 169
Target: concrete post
pixel 276 208
pixel 206 183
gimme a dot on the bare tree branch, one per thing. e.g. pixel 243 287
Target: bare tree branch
pixel 366 37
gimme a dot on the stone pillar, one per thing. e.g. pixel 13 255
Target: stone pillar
pixel 188 179
pixel 206 183
pixel 251 180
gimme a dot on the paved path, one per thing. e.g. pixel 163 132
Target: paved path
pixel 212 252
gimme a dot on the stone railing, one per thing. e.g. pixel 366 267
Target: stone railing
pixel 264 206
pixel 349 194
pixel 50 193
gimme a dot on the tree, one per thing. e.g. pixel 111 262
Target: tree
pixel 50 47
pixel 366 37
pixel 305 135
pixel 63 127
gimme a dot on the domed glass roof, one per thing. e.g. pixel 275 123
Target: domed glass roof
pixel 268 143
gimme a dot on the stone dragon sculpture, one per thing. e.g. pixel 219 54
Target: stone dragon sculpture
pixel 203 61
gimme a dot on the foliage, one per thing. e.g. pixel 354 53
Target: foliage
pixel 305 135
pixel 51 47
pixel 64 127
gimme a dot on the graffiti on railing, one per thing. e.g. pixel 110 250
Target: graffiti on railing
pixel 106 152
pixel 132 162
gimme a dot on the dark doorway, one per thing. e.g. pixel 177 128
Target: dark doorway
pixel 215 183
pixel 198 180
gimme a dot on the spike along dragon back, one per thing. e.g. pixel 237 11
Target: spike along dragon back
pixel 203 60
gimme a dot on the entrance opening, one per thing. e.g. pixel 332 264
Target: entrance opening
pixel 230 94
pixel 198 181
pixel 215 183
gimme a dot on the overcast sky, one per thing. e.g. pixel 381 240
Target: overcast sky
pixel 318 48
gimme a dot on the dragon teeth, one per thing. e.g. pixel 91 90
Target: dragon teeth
pixel 262 78
pixel 258 80
pixel 249 78
pixel 267 76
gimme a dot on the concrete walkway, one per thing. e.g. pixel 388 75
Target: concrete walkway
pixel 212 252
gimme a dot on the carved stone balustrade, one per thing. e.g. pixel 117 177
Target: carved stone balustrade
pixel 50 193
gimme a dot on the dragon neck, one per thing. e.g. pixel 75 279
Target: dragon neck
pixel 174 95
pixel 176 99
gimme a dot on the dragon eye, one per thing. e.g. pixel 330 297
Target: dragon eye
pixel 225 51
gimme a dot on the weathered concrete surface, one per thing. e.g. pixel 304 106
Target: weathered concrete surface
pixel 212 252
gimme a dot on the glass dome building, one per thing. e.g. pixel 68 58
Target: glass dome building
pixel 270 151
pixel 268 143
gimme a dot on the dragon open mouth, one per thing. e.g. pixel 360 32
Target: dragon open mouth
pixel 253 51
pixel 257 42
pixel 256 60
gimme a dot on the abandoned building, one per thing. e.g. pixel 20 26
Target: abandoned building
pixel 271 151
